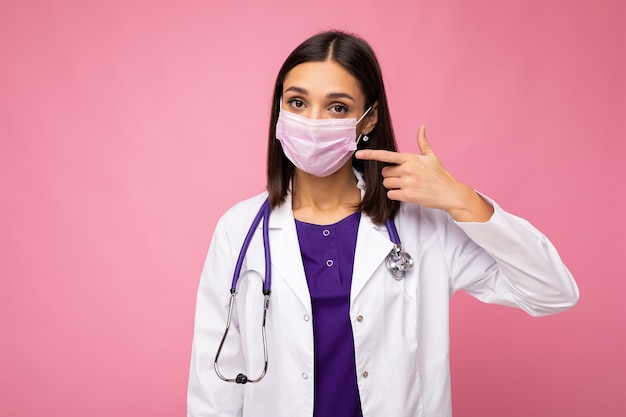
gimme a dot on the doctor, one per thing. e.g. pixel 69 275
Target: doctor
pixel 344 336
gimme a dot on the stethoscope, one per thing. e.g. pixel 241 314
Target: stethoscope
pixel 398 262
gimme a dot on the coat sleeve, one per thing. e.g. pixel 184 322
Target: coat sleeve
pixel 208 395
pixel 508 261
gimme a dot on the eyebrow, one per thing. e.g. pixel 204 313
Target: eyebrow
pixel 302 91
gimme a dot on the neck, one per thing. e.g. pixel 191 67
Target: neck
pixel 325 200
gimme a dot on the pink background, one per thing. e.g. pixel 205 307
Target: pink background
pixel 127 127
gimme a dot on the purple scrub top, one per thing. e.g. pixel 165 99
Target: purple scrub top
pixel 328 258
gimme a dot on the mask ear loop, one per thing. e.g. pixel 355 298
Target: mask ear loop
pixel 363 135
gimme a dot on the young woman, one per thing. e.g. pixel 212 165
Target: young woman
pixel 356 326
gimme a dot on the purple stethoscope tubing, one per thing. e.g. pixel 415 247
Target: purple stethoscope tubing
pixel 398 262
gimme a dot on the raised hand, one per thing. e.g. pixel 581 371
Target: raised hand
pixel 422 179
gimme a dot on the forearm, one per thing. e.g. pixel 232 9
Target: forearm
pixel 469 206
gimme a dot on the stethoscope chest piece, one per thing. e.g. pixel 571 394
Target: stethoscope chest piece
pixel 398 262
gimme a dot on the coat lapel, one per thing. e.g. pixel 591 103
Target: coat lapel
pixel 286 257
pixel 372 247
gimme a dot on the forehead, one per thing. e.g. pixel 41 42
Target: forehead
pixel 322 78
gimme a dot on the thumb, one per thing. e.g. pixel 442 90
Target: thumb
pixel 422 142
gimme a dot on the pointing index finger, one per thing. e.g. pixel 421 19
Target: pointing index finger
pixel 380 155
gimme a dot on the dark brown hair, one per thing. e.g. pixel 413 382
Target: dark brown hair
pixel 358 58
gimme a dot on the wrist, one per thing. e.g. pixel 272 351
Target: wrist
pixel 470 206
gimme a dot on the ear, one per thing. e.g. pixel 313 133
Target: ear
pixel 370 120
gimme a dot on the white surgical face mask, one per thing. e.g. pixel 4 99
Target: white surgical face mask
pixel 317 146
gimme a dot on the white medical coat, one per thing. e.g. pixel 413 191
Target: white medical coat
pixel 400 327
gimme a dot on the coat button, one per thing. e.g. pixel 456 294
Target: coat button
pixel 329 263
pixel 306 317
pixel 359 318
pixel 305 375
pixel 365 374
pixel 326 232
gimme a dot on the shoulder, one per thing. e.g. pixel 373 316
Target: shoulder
pixel 246 207
pixel 234 224
pixel 237 218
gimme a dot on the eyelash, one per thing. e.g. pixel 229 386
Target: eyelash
pixel 343 108
pixel 336 108
pixel 293 101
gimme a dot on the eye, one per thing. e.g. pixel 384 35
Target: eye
pixel 295 102
pixel 339 108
